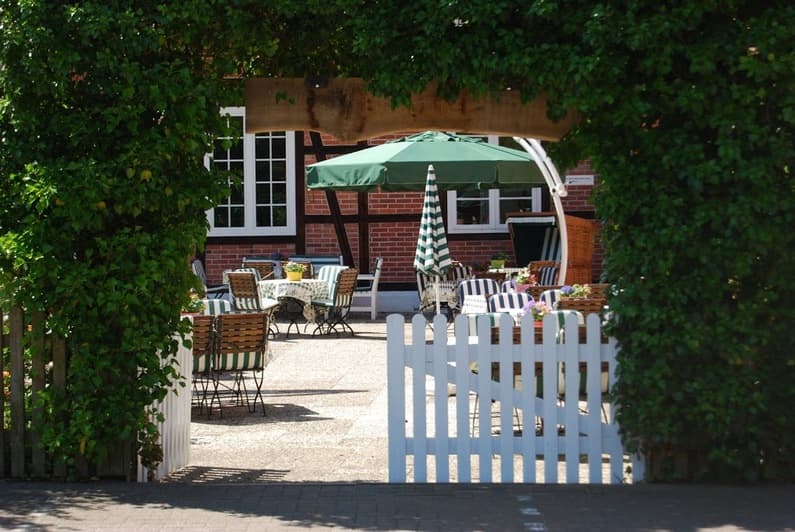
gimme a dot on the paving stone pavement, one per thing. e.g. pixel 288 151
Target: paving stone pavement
pixel 318 460
pixel 105 505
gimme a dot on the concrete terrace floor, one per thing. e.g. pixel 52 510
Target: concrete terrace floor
pixel 326 415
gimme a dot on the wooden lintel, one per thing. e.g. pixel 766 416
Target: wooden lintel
pixel 343 108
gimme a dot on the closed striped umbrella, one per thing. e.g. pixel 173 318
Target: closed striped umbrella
pixel 432 256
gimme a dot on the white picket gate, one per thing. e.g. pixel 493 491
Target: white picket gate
pixel 561 425
pixel 175 428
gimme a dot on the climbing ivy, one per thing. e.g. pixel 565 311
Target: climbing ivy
pixel 106 111
pixel 687 116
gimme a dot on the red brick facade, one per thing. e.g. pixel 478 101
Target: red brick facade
pixel 393 240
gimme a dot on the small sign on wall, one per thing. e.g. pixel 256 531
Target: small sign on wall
pixel 579 180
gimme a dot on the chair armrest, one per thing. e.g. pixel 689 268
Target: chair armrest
pixel 365 277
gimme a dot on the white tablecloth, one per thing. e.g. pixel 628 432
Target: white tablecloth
pixel 304 290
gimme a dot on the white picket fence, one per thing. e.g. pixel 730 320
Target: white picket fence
pixel 175 428
pixel 561 432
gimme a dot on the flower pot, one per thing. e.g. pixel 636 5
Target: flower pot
pixel 522 288
pixel 294 276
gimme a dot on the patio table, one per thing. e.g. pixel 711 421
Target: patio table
pixel 304 290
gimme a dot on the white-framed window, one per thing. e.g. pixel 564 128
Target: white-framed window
pixel 485 211
pixel 263 203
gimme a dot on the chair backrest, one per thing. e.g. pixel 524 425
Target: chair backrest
pixel 346 284
pixel 550 297
pixel 377 267
pixel 329 273
pixel 508 286
pixel 504 301
pixel 241 341
pixel 243 286
pixel 264 267
pixel 458 272
pixel 480 287
pixel 202 340
pixel 198 271
pixel 546 271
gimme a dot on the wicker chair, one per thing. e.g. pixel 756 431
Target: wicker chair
pixel 202 341
pixel 265 268
pixel 246 297
pixel 241 345
pixel 333 312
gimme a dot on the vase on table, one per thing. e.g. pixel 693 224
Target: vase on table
pixel 294 276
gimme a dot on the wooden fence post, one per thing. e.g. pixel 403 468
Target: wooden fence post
pixel 17 393
pixel 59 385
pixel 3 345
pixel 39 359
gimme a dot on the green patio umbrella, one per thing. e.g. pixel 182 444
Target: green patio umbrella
pixel 432 256
pixel 461 163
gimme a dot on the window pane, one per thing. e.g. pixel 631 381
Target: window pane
pixel 514 200
pixel 472 208
pixel 471 212
pixel 221 218
pixel 263 216
pixel 280 193
pixel 279 146
pixel 279 171
pixel 514 205
pixel 236 151
pixel 262 148
pixel 263 194
pixel 236 194
pixel 237 215
pixel 263 170
pixel 237 167
pixel 279 216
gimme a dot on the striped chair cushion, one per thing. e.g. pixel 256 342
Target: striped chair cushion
pixel 548 275
pixel 211 307
pixel 240 361
pixel 472 294
pixel 505 302
pixel 329 273
pixel 508 286
pixel 550 297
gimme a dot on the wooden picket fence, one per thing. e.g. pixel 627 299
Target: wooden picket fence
pixel 553 426
pixel 21 454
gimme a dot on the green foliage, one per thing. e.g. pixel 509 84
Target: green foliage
pixel 107 109
pixel 688 119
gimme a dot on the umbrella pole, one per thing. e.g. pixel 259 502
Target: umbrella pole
pixel 436 290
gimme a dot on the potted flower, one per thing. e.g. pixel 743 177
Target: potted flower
pixel 524 280
pixel 538 309
pixel 498 260
pixel 575 291
pixel 294 270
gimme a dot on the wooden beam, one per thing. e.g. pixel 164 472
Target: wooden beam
pixel 344 109
pixel 334 206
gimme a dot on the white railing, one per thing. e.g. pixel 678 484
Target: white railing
pixel 551 427
pixel 175 428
